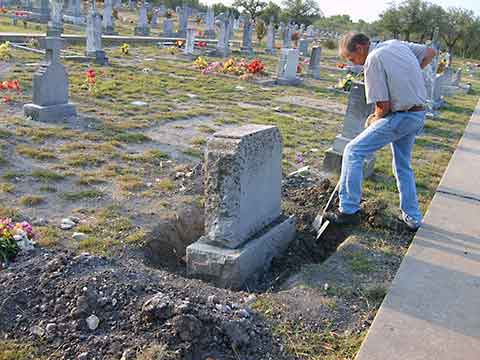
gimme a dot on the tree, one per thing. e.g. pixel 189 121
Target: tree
pixel 411 17
pixel 251 7
pixel 390 21
pixel 432 17
pixel 455 26
pixel 339 23
pixel 272 10
pixel 219 8
pixel 302 11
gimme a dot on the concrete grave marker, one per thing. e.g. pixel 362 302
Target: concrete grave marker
pixel 55 25
pixel 247 47
pixel 287 67
pixel 303 47
pixel 353 124
pixel 108 21
pixel 142 28
pixel 210 22
pixel 50 87
pixel 270 38
pixel 223 42
pixel 190 41
pixel 314 65
pixel 94 37
pixel 244 228
pixel 168 27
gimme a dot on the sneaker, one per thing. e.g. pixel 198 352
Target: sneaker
pixel 411 223
pixel 339 218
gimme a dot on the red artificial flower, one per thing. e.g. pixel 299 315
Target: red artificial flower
pixel 7 99
pixel 255 67
pixel 91 73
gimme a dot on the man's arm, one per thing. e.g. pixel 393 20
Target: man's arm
pixel 382 109
pixel 427 59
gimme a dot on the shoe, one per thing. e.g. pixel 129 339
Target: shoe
pixel 412 224
pixel 339 218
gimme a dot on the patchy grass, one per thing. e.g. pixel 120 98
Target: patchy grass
pixel 47 236
pixel 131 183
pixel 165 184
pixel 7 188
pixel 359 262
pixel 13 350
pixel 82 195
pixel 32 200
pixel 46 175
pixel 36 153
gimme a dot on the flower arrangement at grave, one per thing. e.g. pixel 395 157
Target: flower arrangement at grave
pixel 340 65
pixel 91 81
pixel 34 43
pixel 300 68
pixel 3 11
pixel 14 237
pixel 169 14
pixel 296 37
pixel 9 86
pixel 201 44
pixel 5 51
pixel 246 70
pixel 125 49
pixel 179 43
pixel 346 83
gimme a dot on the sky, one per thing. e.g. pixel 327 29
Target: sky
pixel 369 9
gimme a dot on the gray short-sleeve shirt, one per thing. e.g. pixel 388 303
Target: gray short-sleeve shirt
pixel 392 73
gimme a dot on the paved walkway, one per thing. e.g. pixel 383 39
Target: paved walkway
pixel 432 310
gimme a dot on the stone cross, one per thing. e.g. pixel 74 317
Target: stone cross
pixel 314 65
pixel 223 43
pixel 183 14
pixel 244 226
pixel 94 37
pixel 287 37
pixel 154 20
pixel 50 87
pixel 353 124
pixel 210 22
pixel 190 41
pixel 270 38
pixel 247 37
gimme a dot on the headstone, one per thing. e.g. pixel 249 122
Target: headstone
pixel 353 124
pixel 210 23
pixel 94 37
pixel 44 11
pixel 247 47
pixel 430 75
pixel 50 87
pixel 244 226
pixel 287 37
pixel 162 10
pixel 168 27
pixel 190 42
pixel 223 43
pixel 76 8
pixel 154 20
pixel 55 25
pixel 314 65
pixel 310 31
pixel 287 68
pixel 270 38
pixel 142 28
pixel 303 47
pixel 236 24
pixel 183 14
pixel 108 21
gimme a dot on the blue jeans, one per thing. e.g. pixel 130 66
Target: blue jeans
pixel 399 129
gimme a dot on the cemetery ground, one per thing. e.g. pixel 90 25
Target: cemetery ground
pixel 128 171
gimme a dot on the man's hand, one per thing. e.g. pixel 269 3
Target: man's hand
pixel 382 109
pixel 370 120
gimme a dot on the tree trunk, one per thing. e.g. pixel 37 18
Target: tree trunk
pixel 450 58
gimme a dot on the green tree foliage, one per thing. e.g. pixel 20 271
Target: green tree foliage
pixel 252 8
pixel 456 24
pixel 272 10
pixel 301 11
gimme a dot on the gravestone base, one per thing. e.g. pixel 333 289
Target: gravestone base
pixel 270 51
pixel 247 51
pixel 54 31
pixel 292 82
pixel 210 34
pixel 232 268
pixel 53 113
pixel 219 53
pixel 142 31
pixel 110 30
pixel 333 163
pixel 99 56
pixel 314 72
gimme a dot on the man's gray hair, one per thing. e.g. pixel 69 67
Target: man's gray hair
pixel 350 40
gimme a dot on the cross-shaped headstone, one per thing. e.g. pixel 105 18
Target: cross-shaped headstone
pixel 53 45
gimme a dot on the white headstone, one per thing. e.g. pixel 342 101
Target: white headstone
pixel 190 41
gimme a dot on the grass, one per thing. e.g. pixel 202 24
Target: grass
pixel 47 236
pixel 31 200
pixel 359 262
pixel 82 195
pixel 36 153
pixel 7 188
pixel 13 350
pixel 165 184
pixel 131 183
pixel 46 175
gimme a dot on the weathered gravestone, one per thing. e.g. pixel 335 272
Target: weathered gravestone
pixel 270 38
pixel 183 14
pixel 50 87
pixel 247 47
pixel 168 27
pixel 142 28
pixel 303 47
pixel 154 19
pixel 190 42
pixel 223 42
pixel 244 225
pixel 314 64
pixel 210 22
pixel 353 124
pixel 94 37
pixel 55 25
pixel 287 37
pixel 108 21
pixel 287 67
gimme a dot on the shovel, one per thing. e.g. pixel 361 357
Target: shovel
pixel 320 224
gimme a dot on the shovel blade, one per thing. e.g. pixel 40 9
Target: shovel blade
pixel 322 229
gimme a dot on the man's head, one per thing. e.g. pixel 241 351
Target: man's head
pixel 354 47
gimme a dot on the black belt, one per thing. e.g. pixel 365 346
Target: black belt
pixel 414 109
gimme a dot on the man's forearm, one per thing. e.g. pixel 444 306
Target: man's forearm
pixel 382 109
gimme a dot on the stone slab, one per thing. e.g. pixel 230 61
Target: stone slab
pixel 333 163
pixel 242 183
pixel 462 176
pixel 232 268
pixel 53 113
pixel 432 310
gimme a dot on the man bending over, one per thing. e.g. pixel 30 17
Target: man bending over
pixel 395 84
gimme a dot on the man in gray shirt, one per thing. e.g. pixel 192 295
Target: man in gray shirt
pixel 394 83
